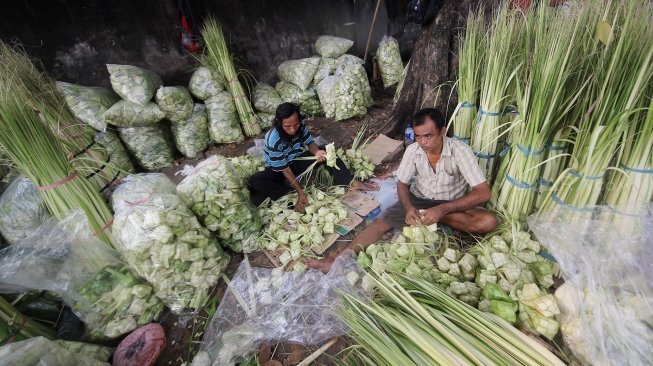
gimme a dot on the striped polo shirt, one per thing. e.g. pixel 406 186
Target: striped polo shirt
pixel 279 153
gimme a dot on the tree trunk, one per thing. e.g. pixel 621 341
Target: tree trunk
pixel 433 65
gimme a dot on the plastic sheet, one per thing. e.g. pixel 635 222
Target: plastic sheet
pixel 63 257
pixel 22 210
pixel 43 352
pixel 606 302
pixel 269 305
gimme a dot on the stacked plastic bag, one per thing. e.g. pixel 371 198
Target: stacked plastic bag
pixel 42 351
pixel 22 210
pixel 389 59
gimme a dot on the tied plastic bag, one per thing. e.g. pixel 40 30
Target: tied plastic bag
pixel 311 107
pixel 139 187
pixel 148 145
pixel 224 125
pixel 266 98
pixel 357 70
pixel 299 72
pixel 216 193
pixel 88 275
pixel 164 242
pixel 116 151
pixel 205 83
pixel 263 305
pixel 265 120
pixel 127 114
pixel 327 67
pixel 330 46
pixel 175 102
pixel 22 210
pixel 342 96
pixel 192 135
pixel 43 352
pixel 88 103
pixel 291 93
pixel 388 57
pixel 133 83
pixel 606 302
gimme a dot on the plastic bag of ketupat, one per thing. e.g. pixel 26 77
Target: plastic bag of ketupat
pixel 311 107
pixel 290 93
pixel 148 145
pixel 175 102
pixel 606 302
pixel 22 210
pixel 139 187
pixel 341 96
pixel 128 114
pixel 133 83
pixel 44 352
pixel 205 83
pixel 163 242
pixel 266 98
pixel 217 194
pixel 330 46
pixel 192 134
pixel 116 150
pixel 88 103
pixel 326 67
pixel 265 120
pixel 388 57
pixel 88 275
pixel 352 67
pixel 224 123
pixel 269 305
pixel 299 72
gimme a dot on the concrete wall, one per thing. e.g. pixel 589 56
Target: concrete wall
pixel 74 39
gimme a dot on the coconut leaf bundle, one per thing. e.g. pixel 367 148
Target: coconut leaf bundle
pixel 218 58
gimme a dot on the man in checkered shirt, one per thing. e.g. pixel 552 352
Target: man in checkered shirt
pixel 433 180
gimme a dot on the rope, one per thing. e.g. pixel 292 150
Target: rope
pixel 560 202
pixel 58 183
pixel 576 174
pixel 522 185
pixel 528 151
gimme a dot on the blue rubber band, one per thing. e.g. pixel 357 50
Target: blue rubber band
pixel 546 183
pixel 635 170
pixel 467 105
pixel 505 150
pixel 484 156
pixel 481 111
pixel 522 185
pixel 528 151
pixel 510 109
pixel 576 174
pixel 466 140
pixel 560 202
pixel 555 148
pixel 621 213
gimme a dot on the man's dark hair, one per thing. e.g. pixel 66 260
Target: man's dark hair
pixel 285 110
pixel 433 114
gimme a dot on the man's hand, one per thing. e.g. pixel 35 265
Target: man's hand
pixel 412 216
pixel 320 155
pixel 302 202
pixel 433 215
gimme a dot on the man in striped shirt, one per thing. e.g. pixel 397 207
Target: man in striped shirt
pixel 441 171
pixel 284 143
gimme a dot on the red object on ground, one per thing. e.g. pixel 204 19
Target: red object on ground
pixel 142 347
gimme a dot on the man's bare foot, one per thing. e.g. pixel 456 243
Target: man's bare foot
pixel 323 264
pixel 362 186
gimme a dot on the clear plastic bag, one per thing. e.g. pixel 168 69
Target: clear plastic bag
pixel 116 151
pixel 606 302
pixel 163 242
pixel 63 257
pixel 192 135
pixel 43 352
pixel 291 93
pixel 133 83
pixel 341 95
pixel 330 46
pixel 148 145
pixel 269 305
pixel 88 103
pixel 389 59
pixel 205 83
pixel 265 120
pixel 327 67
pixel 22 210
pixel 175 102
pixel 216 193
pixel 224 125
pixel 128 114
pixel 299 72
pixel 266 98
pixel 139 187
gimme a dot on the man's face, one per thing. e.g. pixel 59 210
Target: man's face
pixel 291 124
pixel 428 136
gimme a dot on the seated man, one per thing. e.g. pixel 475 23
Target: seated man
pixel 442 169
pixel 284 143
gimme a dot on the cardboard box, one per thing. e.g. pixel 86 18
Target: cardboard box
pixel 359 202
pixel 342 228
pixel 383 149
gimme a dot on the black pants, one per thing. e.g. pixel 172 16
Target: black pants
pixel 269 183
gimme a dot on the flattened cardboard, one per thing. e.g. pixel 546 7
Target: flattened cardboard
pixel 359 202
pixel 383 149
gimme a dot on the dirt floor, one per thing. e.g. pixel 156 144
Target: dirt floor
pixel 184 333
